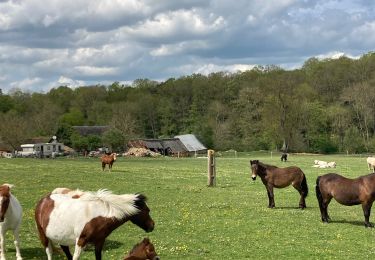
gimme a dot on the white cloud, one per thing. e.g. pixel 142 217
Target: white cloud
pixel 47 43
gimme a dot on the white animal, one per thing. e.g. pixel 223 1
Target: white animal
pixel 323 164
pixel 10 219
pixel 371 163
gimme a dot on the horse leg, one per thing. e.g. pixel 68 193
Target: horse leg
pixel 302 203
pixel 2 243
pixel 17 243
pixel 98 250
pixel 367 211
pixel 67 252
pixel 325 217
pixel 49 250
pixel 271 201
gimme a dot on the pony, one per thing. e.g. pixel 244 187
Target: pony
pixel 108 159
pixel 284 157
pixel 274 177
pixel 142 251
pixel 10 219
pixel 371 163
pixel 65 220
pixel 347 192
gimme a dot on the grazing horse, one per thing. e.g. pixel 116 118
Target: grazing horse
pixel 65 220
pixel 347 192
pixel 274 177
pixel 371 163
pixel 144 250
pixel 108 159
pixel 10 219
pixel 284 157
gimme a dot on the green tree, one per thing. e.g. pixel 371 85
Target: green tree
pixel 114 139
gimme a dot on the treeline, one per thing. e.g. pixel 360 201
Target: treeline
pixel 326 106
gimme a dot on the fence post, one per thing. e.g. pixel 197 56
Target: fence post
pixel 211 168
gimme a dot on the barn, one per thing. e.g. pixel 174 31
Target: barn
pixel 182 145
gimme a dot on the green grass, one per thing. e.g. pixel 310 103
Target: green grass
pixel 193 221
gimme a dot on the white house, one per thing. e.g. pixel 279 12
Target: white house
pixel 41 149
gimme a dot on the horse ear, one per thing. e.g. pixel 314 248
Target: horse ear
pixel 256 161
pixel 146 240
pixel 9 185
pixel 251 162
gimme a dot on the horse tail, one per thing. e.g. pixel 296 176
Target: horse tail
pixel 318 192
pixel 305 188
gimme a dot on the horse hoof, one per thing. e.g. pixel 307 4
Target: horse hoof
pixel 369 225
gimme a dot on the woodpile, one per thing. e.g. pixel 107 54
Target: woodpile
pixel 141 152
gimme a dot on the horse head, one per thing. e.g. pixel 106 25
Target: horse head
pixel 142 219
pixel 4 200
pixel 254 169
pixel 143 250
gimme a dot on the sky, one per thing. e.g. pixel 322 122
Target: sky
pixel 46 44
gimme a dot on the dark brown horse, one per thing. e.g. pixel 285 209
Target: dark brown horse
pixel 108 159
pixel 274 177
pixel 347 192
pixel 144 250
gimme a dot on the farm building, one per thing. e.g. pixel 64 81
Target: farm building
pixel 42 149
pixel 183 145
pixel 192 144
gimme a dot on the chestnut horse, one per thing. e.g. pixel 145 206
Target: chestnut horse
pixel 66 220
pixel 10 218
pixel 108 159
pixel 144 250
pixel 347 192
pixel 274 177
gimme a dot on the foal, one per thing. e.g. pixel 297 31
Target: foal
pixel 144 250
pixel 10 219
pixel 108 159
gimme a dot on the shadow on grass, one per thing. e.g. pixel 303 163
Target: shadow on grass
pixel 292 208
pixel 342 221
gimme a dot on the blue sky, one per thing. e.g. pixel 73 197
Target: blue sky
pixel 44 44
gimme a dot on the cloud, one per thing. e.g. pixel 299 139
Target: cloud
pixel 97 41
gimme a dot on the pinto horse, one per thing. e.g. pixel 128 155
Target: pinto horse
pixel 66 220
pixel 108 159
pixel 10 218
pixel 274 177
pixel 144 250
pixel 347 192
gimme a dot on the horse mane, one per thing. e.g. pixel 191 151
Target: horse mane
pixel 118 206
pixel 267 166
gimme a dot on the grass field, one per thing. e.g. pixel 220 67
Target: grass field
pixel 230 221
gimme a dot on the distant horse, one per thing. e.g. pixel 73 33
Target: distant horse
pixel 10 219
pixel 144 250
pixel 347 192
pixel 273 176
pixel 108 159
pixel 89 219
pixel 371 163
pixel 284 157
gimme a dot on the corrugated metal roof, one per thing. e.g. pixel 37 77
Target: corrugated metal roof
pixel 174 144
pixel 191 142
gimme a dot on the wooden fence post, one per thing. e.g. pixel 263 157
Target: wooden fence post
pixel 211 168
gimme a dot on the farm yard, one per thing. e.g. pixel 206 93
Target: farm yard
pixel 193 221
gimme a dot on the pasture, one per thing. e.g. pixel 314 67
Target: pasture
pixel 229 221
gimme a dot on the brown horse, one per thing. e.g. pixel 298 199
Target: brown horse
pixel 274 177
pixel 144 250
pixel 347 192
pixel 108 159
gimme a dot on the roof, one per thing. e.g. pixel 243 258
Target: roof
pixel 191 142
pixel 174 144
pixel 91 130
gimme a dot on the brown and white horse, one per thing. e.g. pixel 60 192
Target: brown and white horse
pixel 10 218
pixel 66 220
pixel 108 159
pixel 371 163
pixel 144 250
